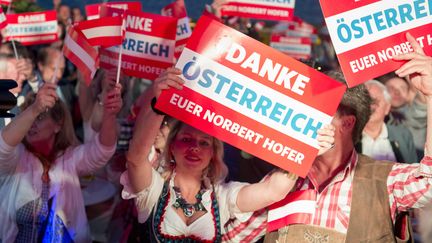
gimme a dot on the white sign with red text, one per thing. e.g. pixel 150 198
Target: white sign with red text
pixel 260 9
pixel 367 34
pixel 252 96
pixel 148 45
pixel 32 28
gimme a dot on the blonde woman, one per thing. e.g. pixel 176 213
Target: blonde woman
pixel 190 201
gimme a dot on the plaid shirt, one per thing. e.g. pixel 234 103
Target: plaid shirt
pixel 408 186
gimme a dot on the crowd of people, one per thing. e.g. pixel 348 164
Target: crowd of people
pixel 101 163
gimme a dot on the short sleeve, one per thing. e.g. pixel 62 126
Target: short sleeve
pixel 146 199
pixel 227 196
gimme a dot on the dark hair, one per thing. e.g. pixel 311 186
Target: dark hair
pixel 355 101
pixel 21 49
pixel 44 54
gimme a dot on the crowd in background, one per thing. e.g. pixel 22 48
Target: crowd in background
pixel 396 130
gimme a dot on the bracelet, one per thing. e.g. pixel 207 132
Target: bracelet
pixel 155 110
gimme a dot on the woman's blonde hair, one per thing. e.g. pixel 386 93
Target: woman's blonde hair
pixel 61 115
pixel 217 170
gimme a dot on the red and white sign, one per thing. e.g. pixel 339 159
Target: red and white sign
pixel 105 31
pixel 252 96
pixel 32 28
pixel 260 9
pixel 92 10
pixel 177 9
pixel 148 46
pixel 297 208
pixel 3 20
pixel 81 53
pixel 367 34
pixel 5 2
pixel 298 48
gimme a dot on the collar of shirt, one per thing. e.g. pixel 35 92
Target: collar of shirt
pixel 350 165
pixel 383 134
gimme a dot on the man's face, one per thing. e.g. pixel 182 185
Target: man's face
pixel 47 70
pixel 399 91
pixel 64 13
pixel 380 107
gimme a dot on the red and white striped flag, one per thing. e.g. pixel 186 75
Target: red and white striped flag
pixel 3 20
pixel 296 208
pixel 106 31
pixel 5 2
pixel 81 53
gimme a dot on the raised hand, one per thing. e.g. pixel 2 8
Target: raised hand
pixel 418 67
pixel 325 138
pixel 113 101
pixel 45 98
pixel 169 78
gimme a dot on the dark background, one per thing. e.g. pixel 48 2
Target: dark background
pixel 308 10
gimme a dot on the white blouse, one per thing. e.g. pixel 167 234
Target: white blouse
pixel 171 223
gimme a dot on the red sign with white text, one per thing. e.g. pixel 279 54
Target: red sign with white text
pixel 367 34
pixel 32 28
pixel 259 9
pixel 295 47
pixel 177 9
pixel 93 10
pixel 252 96
pixel 148 45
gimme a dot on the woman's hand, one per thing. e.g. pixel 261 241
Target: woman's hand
pixel 46 98
pixel 281 183
pixel 113 101
pixel 169 78
pixel 325 138
pixel 418 67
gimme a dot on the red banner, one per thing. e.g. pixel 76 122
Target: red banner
pixel 93 10
pixel 148 46
pixel 367 34
pixel 177 9
pixel 252 96
pixel 260 9
pixel 32 28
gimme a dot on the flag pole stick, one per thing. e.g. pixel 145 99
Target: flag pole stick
pixel 13 40
pixel 120 55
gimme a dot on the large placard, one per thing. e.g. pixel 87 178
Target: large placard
pixel 252 96
pixel 367 34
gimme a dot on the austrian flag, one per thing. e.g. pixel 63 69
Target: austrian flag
pixel 81 53
pixel 105 32
pixel 5 2
pixel 297 208
pixel 3 20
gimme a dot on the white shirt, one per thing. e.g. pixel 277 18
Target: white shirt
pixel 172 224
pixel 20 183
pixel 379 148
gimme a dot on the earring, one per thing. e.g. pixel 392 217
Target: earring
pixel 172 161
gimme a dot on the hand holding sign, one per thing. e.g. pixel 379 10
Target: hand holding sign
pixel 418 67
pixel 325 138
pixel 168 79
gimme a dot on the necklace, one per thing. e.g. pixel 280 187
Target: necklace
pixel 188 208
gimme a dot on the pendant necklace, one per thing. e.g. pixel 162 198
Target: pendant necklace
pixel 188 208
